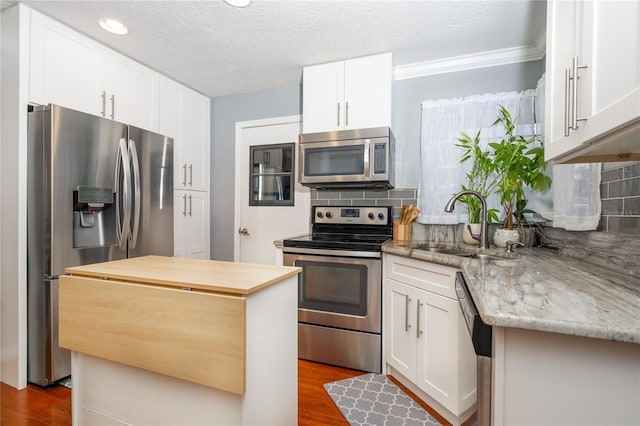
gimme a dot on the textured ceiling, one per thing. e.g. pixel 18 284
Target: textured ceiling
pixel 220 50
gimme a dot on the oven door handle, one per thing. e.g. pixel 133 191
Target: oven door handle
pixel 340 253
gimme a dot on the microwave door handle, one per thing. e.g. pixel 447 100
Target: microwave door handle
pixel 367 157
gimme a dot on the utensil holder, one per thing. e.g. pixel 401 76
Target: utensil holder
pixel 401 231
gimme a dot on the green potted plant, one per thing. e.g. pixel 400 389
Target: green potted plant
pixel 519 162
pixel 480 178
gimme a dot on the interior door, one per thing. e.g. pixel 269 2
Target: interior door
pixel 257 227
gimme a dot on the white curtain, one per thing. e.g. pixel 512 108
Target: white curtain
pixel 574 200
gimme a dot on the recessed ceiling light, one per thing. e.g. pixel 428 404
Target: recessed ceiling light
pixel 113 26
pixel 238 3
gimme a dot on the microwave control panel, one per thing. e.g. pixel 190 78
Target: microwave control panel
pixel 379 158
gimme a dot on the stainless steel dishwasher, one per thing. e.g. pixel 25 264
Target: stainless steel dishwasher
pixel 482 344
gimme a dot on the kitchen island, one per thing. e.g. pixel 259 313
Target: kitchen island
pixel 566 333
pixel 165 340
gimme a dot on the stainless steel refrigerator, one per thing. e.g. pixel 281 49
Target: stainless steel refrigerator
pixel 98 190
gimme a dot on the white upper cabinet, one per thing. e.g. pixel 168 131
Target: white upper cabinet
pixel 169 110
pixel 65 66
pixel 323 97
pixel 348 94
pixel 593 81
pixel 129 92
pixel 69 69
pixel 185 115
pixel 195 140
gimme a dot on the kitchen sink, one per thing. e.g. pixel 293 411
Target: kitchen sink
pixel 451 251
pixel 488 256
pixel 469 253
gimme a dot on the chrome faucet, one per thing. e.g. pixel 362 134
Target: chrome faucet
pixel 509 245
pixel 484 234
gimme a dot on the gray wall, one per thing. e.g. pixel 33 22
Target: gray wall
pixel 409 94
pixel 406 116
pixel 225 112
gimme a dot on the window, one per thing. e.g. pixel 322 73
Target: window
pixel 271 177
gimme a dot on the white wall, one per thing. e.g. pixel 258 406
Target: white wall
pixel 13 146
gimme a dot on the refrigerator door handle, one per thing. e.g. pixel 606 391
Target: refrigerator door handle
pixel 122 224
pixel 136 192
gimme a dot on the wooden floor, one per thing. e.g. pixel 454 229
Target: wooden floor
pixel 315 406
pixel 35 406
pixel 52 406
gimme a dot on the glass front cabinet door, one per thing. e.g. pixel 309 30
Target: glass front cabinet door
pixel 272 178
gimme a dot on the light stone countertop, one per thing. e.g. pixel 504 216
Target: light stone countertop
pixel 543 289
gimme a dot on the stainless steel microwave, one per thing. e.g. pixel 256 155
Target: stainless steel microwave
pixel 360 158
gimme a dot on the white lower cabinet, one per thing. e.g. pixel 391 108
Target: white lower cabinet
pixel 426 340
pixel 191 224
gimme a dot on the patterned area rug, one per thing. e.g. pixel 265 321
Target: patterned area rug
pixel 373 399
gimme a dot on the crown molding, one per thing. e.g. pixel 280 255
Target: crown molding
pixel 473 61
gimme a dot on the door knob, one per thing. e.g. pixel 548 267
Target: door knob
pixel 243 231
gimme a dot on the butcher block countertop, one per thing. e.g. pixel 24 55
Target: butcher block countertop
pixel 197 274
pixel 188 319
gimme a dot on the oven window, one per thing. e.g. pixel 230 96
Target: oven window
pixel 330 161
pixel 333 287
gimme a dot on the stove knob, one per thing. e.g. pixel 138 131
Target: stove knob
pixel 381 216
pixel 320 215
pixel 371 216
pixel 329 215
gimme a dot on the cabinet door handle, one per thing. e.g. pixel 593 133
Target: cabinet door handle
pixel 338 117
pixel 418 331
pixel 184 205
pixel 184 174
pixel 407 300
pixel 190 174
pixel 575 119
pixel 104 103
pixel 567 100
pixel 113 106
pixel 190 205
pixel 346 114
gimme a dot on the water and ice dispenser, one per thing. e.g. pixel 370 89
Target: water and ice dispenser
pixel 93 217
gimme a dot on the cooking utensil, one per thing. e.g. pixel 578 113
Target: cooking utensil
pixel 408 214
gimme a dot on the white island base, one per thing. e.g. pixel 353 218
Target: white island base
pixel 106 392
pixel 110 393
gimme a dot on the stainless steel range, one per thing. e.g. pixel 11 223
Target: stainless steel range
pixel 340 287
